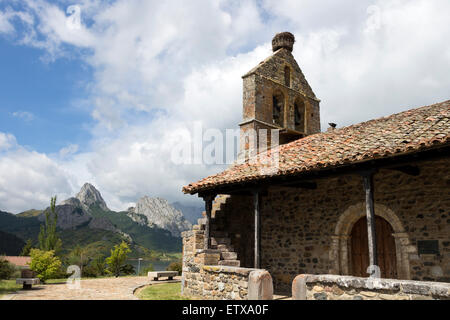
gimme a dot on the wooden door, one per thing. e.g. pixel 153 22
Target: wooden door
pixel 385 248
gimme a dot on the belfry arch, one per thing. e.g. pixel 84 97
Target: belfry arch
pixel 340 250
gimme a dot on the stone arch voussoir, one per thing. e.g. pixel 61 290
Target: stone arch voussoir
pixel 340 252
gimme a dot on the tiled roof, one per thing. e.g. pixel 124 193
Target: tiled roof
pixel 18 261
pixel 402 133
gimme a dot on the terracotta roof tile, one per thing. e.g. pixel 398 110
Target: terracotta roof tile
pixel 18 260
pixel 409 131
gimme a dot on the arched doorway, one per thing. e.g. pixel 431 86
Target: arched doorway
pixel 385 248
pixel 340 247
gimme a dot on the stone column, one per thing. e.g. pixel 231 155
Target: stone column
pixel 257 230
pixel 402 251
pixel 208 208
pixel 370 214
pixel 334 255
pixel 339 255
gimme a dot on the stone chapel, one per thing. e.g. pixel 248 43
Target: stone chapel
pixel 376 193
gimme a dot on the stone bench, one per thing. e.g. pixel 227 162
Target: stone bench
pixel 27 282
pixel 155 275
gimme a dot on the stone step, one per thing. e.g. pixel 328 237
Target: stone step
pixel 217 241
pixel 230 263
pixel 225 247
pixel 219 234
pixel 228 255
pixel 222 248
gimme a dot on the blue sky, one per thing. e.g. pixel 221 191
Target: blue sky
pixel 105 100
pixel 48 92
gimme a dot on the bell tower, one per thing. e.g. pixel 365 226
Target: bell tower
pixel 277 97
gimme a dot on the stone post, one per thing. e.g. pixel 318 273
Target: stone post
pixel 260 285
pixel 299 288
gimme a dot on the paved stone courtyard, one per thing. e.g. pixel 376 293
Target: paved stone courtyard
pixel 92 289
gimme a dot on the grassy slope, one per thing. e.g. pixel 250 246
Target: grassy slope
pixel 10 245
pixel 8 286
pixel 24 228
pixel 30 213
pixel 166 291
pixel 151 238
pixel 95 241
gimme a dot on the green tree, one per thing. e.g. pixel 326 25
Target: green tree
pixel 45 264
pixel 6 269
pixel 79 257
pixel 127 269
pixel 27 248
pixel 48 237
pixel 175 266
pixel 99 265
pixel 147 269
pixel 117 259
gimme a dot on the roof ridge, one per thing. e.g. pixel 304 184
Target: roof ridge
pixel 414 130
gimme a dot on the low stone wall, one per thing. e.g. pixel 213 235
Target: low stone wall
pixel 218 283
pixel 203 278
pixel 335 287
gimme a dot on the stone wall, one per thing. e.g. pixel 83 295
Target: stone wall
pixel 308 231
pixel 203 278
pixel 218 283
pixel 264 82
pixel 333 287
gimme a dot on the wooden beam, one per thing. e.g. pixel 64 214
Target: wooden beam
pixel 300 185
pixel 370 214
pixel 410 170
pixel 256 203
pixel 208 209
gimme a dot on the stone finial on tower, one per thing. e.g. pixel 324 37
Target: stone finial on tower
pixel 283 40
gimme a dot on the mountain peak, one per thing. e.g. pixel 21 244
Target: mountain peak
pixel 159 212
pixel 89 196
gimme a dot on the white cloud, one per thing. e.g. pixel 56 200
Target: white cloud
pixel 69 150
pixel 9 16
pixel 160 65
pixel 5 25
pixel 7 141
pixel 24 115
pixel 27 178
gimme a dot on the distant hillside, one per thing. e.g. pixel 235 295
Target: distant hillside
pixel 10 245
pixel 24 228
pixel 153 238
pixel 30 213
pixel 191 212
pixel 86 221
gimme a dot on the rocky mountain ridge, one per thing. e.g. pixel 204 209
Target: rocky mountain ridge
pixel 158 212
pixel 83 208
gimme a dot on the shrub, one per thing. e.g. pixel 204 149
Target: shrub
pixel 127 269
pixel 45 264
pixel 99 265
pixel 117 259
pixel 90 272
pixel 175 266
pixel 6 269
pixel 146 270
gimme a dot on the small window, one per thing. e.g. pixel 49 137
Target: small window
pixel 287 76
pixel 278 108
pixel 299 116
